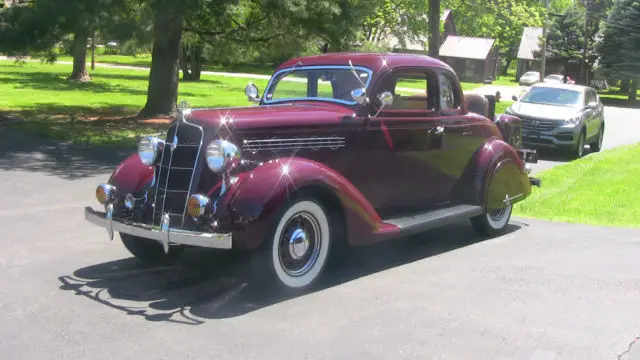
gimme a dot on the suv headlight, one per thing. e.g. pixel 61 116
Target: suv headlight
pixel 148 149
pixel 221 155
pixel 572 120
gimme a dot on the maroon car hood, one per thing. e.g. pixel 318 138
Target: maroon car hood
pixel 266 116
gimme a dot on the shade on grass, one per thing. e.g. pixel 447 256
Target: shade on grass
pixel 599 189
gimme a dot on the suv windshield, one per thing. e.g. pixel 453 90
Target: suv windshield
pixel 332 83
pixel 552 96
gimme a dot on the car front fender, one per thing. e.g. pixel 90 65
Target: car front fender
pixel 257 195
pixel 131 175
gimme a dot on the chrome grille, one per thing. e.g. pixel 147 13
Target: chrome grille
pixel 176 171
pixel 296 143
pixel 533 124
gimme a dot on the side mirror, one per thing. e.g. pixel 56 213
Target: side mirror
pixel 514 98
pixel 252 92
pixel 592 105
pixel 359 95
pixel 386 99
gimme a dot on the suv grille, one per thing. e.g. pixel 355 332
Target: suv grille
pixel 533 124
pixel 176 171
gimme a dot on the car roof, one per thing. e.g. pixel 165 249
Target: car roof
pixel 373 61
pixel 575 87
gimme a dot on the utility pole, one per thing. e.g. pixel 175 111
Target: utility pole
pixel 543 53
pixel 434 28
pixel 585 68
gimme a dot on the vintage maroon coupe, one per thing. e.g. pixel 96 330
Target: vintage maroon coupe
pixel 342 149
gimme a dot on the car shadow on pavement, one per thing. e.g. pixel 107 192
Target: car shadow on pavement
pixel 206 285
pixel 27 152
pixel 558 156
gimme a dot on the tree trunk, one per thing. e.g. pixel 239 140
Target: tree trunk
pixel 434 28
pixel 625 86
pixel 162 93
pixel 80 42
pixel 633 90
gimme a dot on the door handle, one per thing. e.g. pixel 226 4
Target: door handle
pixel 466 132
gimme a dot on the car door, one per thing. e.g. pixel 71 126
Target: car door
pixel 463 135
pixel 406 142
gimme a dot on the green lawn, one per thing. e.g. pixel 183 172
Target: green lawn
pixel 68 111
pixel 599 189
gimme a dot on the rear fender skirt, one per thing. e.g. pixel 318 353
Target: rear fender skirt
pixel 496 171
pixel 255 196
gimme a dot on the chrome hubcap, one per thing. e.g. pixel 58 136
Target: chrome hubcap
pixel 299 244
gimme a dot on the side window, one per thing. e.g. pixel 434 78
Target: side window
pixel 448 97
pixel 589 97
pixel 411 91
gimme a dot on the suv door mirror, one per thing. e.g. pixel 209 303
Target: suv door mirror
pixel 592 105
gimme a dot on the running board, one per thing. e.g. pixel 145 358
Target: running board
pixel 435 218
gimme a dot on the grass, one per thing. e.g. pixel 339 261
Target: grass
pixel 101 111
pixel 579 192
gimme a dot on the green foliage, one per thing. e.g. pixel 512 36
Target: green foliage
pixel 619 41
pixel 406 20
pixel 502 20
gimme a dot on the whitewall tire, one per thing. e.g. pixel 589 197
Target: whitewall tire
pixel 296 251
pixel 492 222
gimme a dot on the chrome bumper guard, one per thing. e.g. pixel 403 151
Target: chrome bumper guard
pixel 163 234
pixel 528 155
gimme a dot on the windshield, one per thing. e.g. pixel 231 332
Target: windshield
pixel 332 83
pixel 554 77
pixel 552 96
pixel 530 74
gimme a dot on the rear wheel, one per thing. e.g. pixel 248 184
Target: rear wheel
pixel 492 222
pixel 148 251
pixel 597 145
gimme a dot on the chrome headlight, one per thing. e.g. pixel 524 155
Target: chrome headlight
pixel 572 120
pixel 221 155
pixel 148 149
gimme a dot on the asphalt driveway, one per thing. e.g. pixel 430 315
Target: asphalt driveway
pixel 543 291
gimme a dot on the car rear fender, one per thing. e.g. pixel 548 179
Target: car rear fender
pixel 496 173
pixel 257 195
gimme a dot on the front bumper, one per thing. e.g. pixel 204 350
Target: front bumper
pixel 559 137
pixel 163 234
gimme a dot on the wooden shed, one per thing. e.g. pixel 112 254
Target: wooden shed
pixel 473 59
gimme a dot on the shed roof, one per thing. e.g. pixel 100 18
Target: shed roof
pixel 529 43
pixel 466 47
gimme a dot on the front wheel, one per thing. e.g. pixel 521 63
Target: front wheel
pixel 148 251
pixel 297 249
pixel 578 150
pixel 492 222
pixel 597 145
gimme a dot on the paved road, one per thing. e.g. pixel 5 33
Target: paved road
pixel 543 291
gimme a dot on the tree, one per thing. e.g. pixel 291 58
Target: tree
pixel 39 25
pixel 244 22
pixel 502 20
pixel 405 20
pixel 619 43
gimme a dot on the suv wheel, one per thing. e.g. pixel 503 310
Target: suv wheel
pixel 578 150
pixel 597 145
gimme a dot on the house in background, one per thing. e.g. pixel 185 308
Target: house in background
pixel 529 48
pixel 473 59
